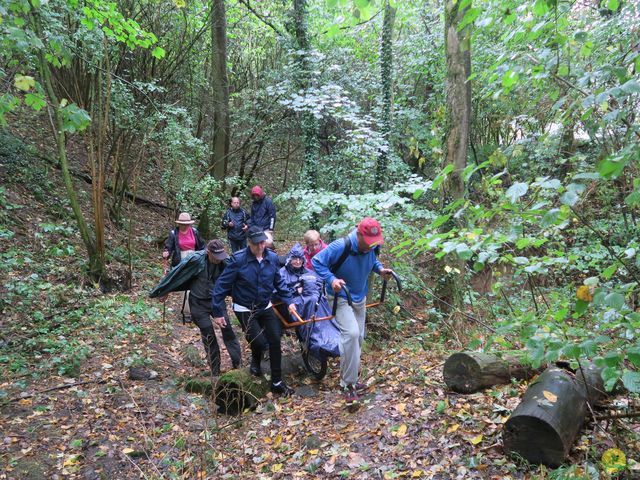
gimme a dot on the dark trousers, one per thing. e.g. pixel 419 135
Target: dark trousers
pixel 237 244
pixel 203 320
pixel 262 327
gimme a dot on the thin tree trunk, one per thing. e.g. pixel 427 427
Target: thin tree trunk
pixel 386 83
pixel 309 123
pixel 458 115
pixel 96 264
pixel 219 81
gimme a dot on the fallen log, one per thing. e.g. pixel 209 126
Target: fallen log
pixel 468 372
pixel 544 426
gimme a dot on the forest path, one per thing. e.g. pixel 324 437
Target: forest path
pixel 115 427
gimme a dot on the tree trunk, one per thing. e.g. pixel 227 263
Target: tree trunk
pixel 456 141
pixel 96 262
pixel 386 84
pixel 543 427
pixel 219 81
pixel 220 90
pixel 468 372
pixel 309 123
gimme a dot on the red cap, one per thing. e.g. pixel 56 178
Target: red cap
pixel 257 190
pixel 371 230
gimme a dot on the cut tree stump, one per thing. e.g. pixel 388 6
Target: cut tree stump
pixel 237 390
pixel 468 372
pixel 544 426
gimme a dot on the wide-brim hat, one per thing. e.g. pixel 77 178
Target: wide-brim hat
pixel 371 231
pixel 185 219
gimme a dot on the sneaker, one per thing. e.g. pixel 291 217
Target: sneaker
pixel 255 370
pixel 282 389
pixel 350 395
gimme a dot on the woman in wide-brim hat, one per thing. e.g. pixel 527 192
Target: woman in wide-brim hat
pixel 182 242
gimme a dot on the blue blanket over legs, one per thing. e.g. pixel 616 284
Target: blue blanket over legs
pixel 323 336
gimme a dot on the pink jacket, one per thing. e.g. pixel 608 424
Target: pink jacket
pixel 308 256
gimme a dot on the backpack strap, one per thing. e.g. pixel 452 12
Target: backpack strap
pixel 343 256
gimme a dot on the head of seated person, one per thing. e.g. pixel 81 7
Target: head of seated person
pixel 295 260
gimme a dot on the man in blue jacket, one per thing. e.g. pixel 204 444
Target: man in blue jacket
pixel 235 222
pixel 263 211
pixel 251 277
pixel 350 264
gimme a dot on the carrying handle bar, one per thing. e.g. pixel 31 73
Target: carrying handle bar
pixel 335 299
pixel 383 292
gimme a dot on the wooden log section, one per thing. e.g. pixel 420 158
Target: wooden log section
pixel 544 426
pixel 237 390
pixel 468 372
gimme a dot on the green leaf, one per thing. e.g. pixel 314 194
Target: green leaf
pixel 510 78
pixel 586 49
pixel 612 359
pixel 610 375
pixel 571 351
pixel 611 168
pixel 158 52
pixel 609 271
pixel 632 86
pixel 614 300
pixel 631 381
pixel 77 443
pixel 441 407
pixel 540 8
pixel 569 198
pixel 633 199
pixel 613 5
pixel 516 191
pixel 469 17
pixel 74 118
pixel 24 82
pixel 441 177
pixel 633 354
pixel 581 307
pixel 35 101
pixel 440 220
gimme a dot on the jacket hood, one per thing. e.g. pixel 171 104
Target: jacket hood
pixel 295 252
pixel 257 190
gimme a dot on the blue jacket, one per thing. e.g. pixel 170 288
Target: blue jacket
pixel 354 271
pixel 239 218
pixel 249 282
pixel 263 214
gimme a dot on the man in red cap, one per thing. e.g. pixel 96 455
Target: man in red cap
pixel 263 211
pixel 348 262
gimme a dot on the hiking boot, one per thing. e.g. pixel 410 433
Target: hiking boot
pixel 360 387
pixel 350 395
pixel 281 388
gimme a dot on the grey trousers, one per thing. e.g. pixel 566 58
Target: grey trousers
pixel 350 321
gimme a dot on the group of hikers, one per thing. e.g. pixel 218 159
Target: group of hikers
pixel 256 278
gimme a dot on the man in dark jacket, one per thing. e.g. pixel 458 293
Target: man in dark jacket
pixel 250 278
pixel 235 222
pixel 199 272
pixel 263 211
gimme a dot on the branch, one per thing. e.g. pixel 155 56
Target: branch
pixel 263 19
pixel 59 387
pixel 347 27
